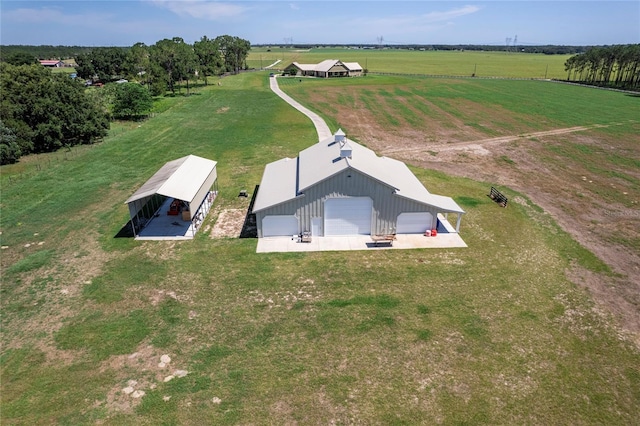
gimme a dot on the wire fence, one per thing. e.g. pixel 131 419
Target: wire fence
pixel 29 168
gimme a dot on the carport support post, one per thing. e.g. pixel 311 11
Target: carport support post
pixel 133 228
pixel 458 223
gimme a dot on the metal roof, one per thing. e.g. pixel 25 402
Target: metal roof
pixel 352 66
pixel 181 179
pixel 327 64
pixel 278 183
pixel 285 179
pixel 305 67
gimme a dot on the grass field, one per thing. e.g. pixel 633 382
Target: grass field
pixel 527 105
pixel 454 63
pixel 491 334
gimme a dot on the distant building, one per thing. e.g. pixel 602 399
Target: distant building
pixel 51 63
pixel 325 69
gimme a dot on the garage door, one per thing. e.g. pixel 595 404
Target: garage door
pixel 273 226
pixel 347 216
pixel 413 223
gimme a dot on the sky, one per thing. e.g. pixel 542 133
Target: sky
pixel 126 22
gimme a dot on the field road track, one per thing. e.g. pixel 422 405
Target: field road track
pixel 273 64
pixel 321 127
pixel 481 144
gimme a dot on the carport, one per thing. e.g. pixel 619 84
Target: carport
pixel 173 203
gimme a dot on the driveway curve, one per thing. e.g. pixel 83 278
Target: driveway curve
pixel 321 127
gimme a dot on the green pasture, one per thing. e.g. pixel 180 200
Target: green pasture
pixel 525 106
pixel 452 63
pixel 490 334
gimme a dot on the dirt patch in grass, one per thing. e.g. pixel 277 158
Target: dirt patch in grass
pixel 229 223
pixel 137 373
pixel 586 179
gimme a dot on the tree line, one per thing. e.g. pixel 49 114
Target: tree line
pixel 166 63
pixel 8 53
pixel 42 111
pixel 611 66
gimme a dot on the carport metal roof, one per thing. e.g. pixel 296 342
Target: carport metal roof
pixel 181 179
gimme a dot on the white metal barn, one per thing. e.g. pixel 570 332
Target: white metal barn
pixel 173 203
pixel 338 187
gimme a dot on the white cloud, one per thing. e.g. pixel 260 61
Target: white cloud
pixel 408 28
pixel 201 9
pixel 416 21
pixel 294 6
pixel 450 14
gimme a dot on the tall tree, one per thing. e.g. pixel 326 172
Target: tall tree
pixel 174 61
pixel 131 101
pixel 138 63
pixel 103 63
pixel 617 66
pixel 186 62
pixel 234 51
pixel 209 57
pixel 164 59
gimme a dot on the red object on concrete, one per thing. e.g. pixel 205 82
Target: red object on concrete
pixel 174 208
pixel 434 232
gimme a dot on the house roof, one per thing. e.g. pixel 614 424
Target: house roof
pixel 305 67
pixel 327 64
pixel 50 61
pixel 181 179
pixel 352 66
pixel 286 179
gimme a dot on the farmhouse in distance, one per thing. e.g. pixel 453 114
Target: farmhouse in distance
pixel 326 69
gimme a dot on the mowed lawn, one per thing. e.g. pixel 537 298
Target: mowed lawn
pixel 452 63
pixel 490 334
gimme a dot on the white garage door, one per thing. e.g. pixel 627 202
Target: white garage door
pixel 273 226
pixel 413 223
pixel 347 216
